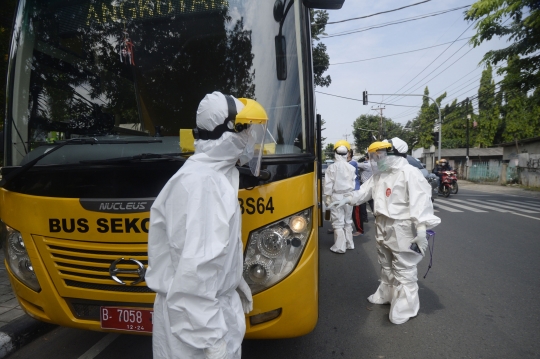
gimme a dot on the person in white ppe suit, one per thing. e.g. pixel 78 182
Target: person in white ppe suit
pixel 404 212
pixel 194 243
pixel 339 179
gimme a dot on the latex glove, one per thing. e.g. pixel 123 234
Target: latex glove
pixel 341 203
pixel 245 296
pixel 327 200
pixel 218 351
pixel 421 239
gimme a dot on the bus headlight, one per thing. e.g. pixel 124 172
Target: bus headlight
pixel 273 251
pixel 17 257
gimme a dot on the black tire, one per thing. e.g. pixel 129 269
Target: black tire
pixel 446 192
pixel 455 188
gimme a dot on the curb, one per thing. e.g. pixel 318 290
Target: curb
pixel 19 332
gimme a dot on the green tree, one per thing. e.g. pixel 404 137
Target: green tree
pixel 520 111
pixel 488 110
pixel 523 34
pixel 366 128
pixel 321 59
pixel 427 118
pixel 328 152
pixel 454 127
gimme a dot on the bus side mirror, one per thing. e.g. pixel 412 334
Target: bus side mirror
pixel 281 57
pixel 324 4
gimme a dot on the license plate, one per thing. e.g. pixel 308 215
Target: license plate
pixel 126 319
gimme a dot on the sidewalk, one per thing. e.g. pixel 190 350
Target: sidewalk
pixel 497 188
pixel 16 327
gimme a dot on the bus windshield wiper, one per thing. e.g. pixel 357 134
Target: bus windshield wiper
pixel 59 144
pixel 140 157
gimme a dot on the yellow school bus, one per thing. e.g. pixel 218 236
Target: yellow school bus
pixel 99 95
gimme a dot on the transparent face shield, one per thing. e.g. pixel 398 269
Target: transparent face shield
pixel 253 151
pixel 378 160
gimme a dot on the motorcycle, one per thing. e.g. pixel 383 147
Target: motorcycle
pixel 448 183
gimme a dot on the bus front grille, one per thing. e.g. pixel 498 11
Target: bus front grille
pixel 82 265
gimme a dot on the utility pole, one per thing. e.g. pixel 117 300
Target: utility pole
pixel 468 118
pixel 346 137
pixel 381 125
pixel 435 102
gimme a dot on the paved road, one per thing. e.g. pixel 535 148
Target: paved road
pixel 478 301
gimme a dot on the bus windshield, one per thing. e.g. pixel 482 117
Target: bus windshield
pixel 111 69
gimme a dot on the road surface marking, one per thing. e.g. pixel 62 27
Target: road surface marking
pixel 505 205
pixel 449 209
pixel 451 203
pixel 519 205
pixel 524 215
pixel 529 204
pixel 99 346
pixel 480 205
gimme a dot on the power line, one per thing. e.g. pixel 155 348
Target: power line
pixel 399 53
pixel 378 13
pixel 396 22
pixel 472 48
pixel 355 99
pixel 408 112
pixel 447 59
pixel 425 68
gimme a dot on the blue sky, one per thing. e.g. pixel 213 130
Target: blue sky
pixel 390 74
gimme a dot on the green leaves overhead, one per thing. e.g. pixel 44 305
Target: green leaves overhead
pixel 519 21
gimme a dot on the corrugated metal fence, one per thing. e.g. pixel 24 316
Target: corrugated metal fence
pixel 490 172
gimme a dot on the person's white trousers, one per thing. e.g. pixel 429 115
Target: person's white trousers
pixel 398 262
pixel 342 223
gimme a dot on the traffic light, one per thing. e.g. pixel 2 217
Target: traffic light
pixel 364 98
pixel 435 137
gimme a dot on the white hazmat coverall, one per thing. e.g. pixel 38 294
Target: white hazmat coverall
pixel 339 179
pixel 402 202
pixel 195 249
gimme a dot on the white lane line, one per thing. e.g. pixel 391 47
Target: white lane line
pixel 517 205
pixel 99 346
pixel 524 215
pixel 481 206
pixel 451 203
pixel 529 204
pixel 438 205
pixel 505 206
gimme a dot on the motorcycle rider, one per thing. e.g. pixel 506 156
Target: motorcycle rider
pixel 440 168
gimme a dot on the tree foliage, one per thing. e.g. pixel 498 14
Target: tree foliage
pixel 366 129
pixel 321 60
pixel 523 32
pixel 520 112
pixel 427 118
pixel 328 152
pixel 489 119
